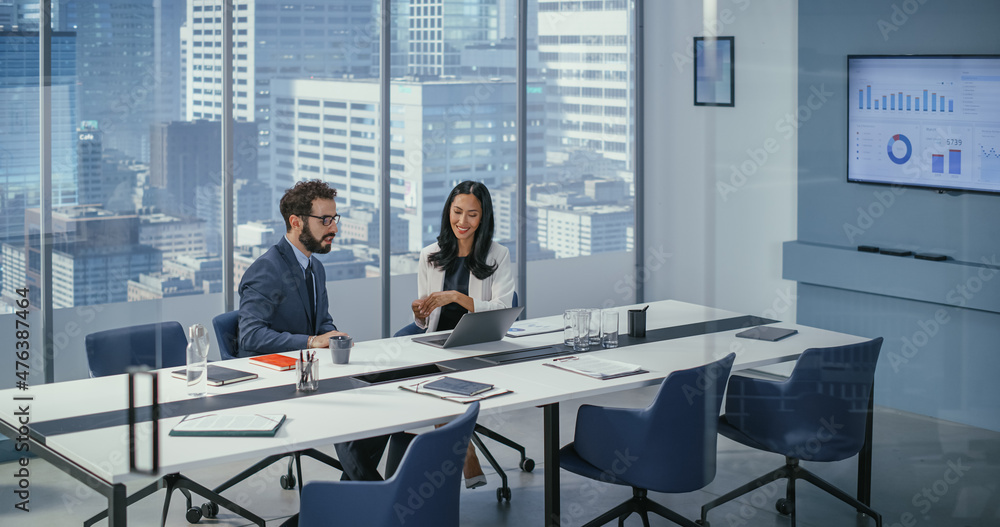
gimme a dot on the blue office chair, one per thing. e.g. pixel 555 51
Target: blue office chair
pixel 114 351
pixel 227 334
pixel 820 413
pixel 668 446
pixel 527 464
pixel 424 491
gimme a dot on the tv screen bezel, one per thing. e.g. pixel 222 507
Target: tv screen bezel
pixel 936 188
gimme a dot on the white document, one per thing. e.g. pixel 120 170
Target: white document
pixel 595 367
pixel 229 424
pixel 523 328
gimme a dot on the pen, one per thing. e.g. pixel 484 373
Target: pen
pixel 564 359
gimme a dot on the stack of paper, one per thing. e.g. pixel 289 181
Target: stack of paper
pixel 595 367
pixel 264 425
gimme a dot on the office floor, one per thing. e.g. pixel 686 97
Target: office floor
pixel 926 473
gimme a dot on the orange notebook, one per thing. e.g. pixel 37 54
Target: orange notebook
pixel 274 361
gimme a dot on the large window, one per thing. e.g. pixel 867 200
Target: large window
pixel 137 107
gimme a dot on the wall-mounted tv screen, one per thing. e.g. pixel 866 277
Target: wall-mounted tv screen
pixel 924 120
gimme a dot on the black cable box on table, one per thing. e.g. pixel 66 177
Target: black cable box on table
pixel 896 252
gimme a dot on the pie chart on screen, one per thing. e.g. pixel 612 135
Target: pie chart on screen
pixel 899 149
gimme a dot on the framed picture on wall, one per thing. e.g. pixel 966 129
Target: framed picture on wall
pixel 714 78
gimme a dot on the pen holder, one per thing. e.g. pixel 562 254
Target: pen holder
pixel 307 379
pixel 637 323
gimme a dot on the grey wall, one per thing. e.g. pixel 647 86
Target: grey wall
pixel 940 358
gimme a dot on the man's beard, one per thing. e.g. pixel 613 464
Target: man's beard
pixel 311 243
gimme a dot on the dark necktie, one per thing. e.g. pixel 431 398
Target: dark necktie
pixel 311 291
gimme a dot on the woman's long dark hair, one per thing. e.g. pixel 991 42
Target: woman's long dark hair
pixel 482 240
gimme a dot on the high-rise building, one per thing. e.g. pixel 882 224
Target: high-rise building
pixel 94 254
pixel 272 38
pixel 440 29
pixel 89 164
pixel 185 164
pixel 168 17
pixel 173 236
pixel 443 132
pixel 19 126
pixel 583 231
pixel 585 54
pixel 118 78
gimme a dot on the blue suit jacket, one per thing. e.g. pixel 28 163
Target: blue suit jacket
pixel 273 299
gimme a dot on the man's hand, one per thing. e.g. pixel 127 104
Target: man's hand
pixel 323 341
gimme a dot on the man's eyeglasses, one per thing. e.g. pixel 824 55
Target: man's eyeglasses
pixel 327 220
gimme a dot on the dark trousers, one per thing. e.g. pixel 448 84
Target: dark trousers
pixel 361 458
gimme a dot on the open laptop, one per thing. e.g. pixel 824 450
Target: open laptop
pixel 475 328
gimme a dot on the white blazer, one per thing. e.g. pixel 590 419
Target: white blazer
pixel 494 292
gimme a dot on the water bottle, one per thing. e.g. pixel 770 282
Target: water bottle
pixel 197 361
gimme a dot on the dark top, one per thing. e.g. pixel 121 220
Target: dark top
pixel 455 279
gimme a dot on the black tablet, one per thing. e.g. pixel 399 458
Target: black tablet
pixel 767 333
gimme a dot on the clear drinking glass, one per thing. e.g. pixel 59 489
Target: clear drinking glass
pixel 595 326
pixel 581 335
pixel 609 328
pixel 569 326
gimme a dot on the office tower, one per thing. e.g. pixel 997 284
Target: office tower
pixel 185 165
pixel 585 230
pixel 173 236
pixel 443 132
pixel 586 57
pixel 89 164
pixel 253 201
pixel 168 17
pixel 154 286
pixel 119 85
pixel 361 225
pixel 94 254
pixel 273 38
pixel 8 15
pixel 439 30
pixel 19 127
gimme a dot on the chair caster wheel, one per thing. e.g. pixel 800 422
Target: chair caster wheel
pixel 193 515
pixel 503 493
pixel 528 464
pixel 784 507
pixel 210 509
pixel 287 482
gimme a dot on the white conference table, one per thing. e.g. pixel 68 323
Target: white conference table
pixel 100 457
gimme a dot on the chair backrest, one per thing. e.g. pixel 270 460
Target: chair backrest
pixel 423 492
pixel 819 413
pixel 227 333
pixel 434 458
pixel 672 442
pixel 113 351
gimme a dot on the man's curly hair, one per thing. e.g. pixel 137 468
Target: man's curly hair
pixel 298 199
